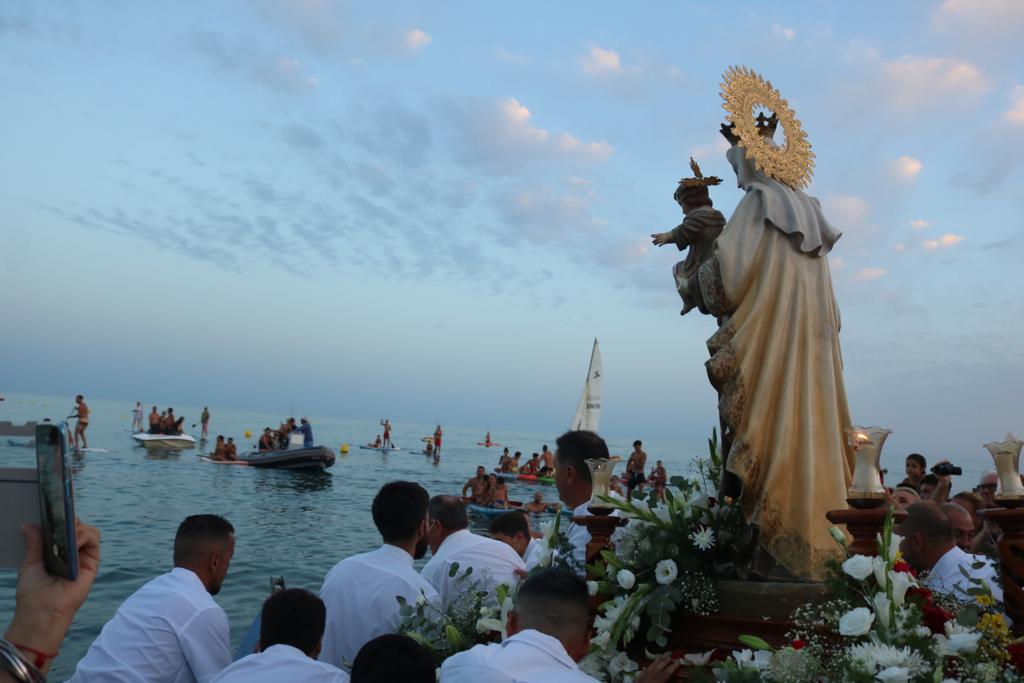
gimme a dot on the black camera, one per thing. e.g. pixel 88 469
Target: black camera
pixel 944 469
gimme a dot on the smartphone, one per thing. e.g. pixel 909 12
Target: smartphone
pixel 56 501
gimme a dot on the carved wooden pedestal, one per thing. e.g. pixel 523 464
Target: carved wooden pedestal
pixel 864 526
pixel 601 528
pixel 1011 562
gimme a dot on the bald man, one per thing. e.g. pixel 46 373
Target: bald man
pixel 963 525
pixel 929 545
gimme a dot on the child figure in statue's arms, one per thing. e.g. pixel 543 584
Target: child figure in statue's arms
pixel 700 228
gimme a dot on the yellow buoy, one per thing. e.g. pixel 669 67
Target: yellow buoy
pixel 344 448
pixel 248 434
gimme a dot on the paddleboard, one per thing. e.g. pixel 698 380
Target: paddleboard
pixel 487 445
pixel 380 448
pixel 223 462
pixel 90 450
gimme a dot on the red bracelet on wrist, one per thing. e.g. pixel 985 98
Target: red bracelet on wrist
pixel 39 658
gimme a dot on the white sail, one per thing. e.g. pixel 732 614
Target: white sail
pixel 588 412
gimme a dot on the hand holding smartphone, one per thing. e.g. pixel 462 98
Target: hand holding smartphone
pixel 56 501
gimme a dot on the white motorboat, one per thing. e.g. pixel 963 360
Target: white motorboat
pixel 165 440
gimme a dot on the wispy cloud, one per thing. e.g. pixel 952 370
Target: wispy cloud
pixel 245 58
pixel 1015 114
pixel 500 135
pixel 416 39
pixel 943 242
pixel 914 81
pixel 601 62
pixel 920 224
pixel 866 274
pixel 783 32
pixel 905 168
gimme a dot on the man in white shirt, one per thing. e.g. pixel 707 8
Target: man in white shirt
pixel 291 630
pixel 929 545
pixel 361 591
pixel 171 630
pixel 394 659
pixel 513 529
pixel 548 633
pixel 451 542
pixel 572 478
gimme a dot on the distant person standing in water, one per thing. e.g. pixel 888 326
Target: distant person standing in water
pixel 437 442
pixel 307 433
pixel 82 413
pixel 386 424
pixel 137 417
pixel 204 419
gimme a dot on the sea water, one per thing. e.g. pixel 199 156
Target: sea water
pixel 291 524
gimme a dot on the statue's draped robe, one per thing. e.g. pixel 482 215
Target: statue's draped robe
pixel 777 366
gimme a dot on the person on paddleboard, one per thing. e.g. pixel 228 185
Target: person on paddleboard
pixel 82 413
pixel 437 441
pixel 386 424
pixel 137 417
pixel 204 420
pixel 376 443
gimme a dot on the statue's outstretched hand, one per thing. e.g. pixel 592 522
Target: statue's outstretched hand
pixel 661 238
pixel 728 132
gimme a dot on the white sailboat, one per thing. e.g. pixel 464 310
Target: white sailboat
pixel 588 412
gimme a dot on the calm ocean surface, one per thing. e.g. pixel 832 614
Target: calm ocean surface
pixel 291 524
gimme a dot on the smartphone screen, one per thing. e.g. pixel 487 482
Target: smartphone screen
pixel 56 502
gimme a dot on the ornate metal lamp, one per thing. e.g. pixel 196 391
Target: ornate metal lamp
pixel 866 490
pixel 1006 455
pixel 600 477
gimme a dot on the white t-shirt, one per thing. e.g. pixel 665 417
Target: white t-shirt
pixel 527 657
pixel 360 594
pixel 945 576
pixel 279 664
pixel 493 562
pixel 169 631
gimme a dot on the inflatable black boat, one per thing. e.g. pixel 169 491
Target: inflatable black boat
pixel 315 457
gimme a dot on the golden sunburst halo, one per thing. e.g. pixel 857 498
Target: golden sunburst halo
pixel 742 91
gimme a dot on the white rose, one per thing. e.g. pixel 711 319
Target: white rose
pixel 901 581
pixel 856 622
pixel 858 566
pixel 666 572
pixel 961 640
pixel 882 603
pixel 894 674
pixel 626 578
pixel 592 588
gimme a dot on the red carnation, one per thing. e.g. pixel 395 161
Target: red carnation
pixel 904 567
pixel 935 618
pixel 923 595
pixel 798 644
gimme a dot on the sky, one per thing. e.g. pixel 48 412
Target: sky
pixel 429 211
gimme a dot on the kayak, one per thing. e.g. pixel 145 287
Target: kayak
pixel 205 458
pixel 314 457
pixel 165 440
pixel 382 449
pixel 512 505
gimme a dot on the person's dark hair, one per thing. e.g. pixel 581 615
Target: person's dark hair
pixel 919 459
pixel 637 443
pixel 196 533
pixel 907 484
pixel 510 523
pixel 928 519
pixel 553 601
pixel 293 617
pixel 393 657
pixel 398 508
pixel 576 447
pixel 449 511
pixel 929 479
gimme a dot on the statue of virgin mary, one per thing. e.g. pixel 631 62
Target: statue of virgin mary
pixel 775 359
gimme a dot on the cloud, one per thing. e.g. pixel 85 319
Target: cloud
pixel 388 129
pixel 846 212
pixel 319 24
pixel 943 242
pixel 601 62
pixel 899 247
pixel 500 135
pixel 541 215
pixel 244 57
pixel 1015 114
pixel 920 224
pixel 866 274
pixel 913 82
pixel 716 148
pixel 905 168
pixel 783 32
pixel 416 39
pixel 990 21
pixel 303 137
